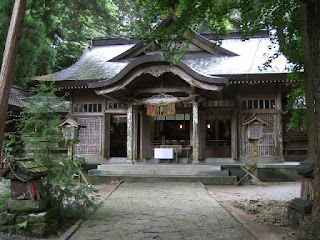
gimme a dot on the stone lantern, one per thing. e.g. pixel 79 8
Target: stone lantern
pixel 25 175
pixel 29 203
pixel 70 130
pixel 254 129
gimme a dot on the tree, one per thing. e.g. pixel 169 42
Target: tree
pixel 41 139
pixel 311 56
pixel 53 36
pixel 55 33
pixel 8 63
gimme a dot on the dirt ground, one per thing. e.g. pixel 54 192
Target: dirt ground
pixel 263 207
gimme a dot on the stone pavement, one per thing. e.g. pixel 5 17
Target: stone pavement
pixel 163 210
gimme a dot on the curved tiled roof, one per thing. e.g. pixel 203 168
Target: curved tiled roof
pixel 252 54
pixel 94 64
pixel 98 63
pixel 154 60
pixel 17 95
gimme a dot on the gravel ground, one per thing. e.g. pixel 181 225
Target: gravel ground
pixel 282 191
pixel 8 236
pixel 261 206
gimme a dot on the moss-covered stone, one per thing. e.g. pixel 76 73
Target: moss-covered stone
pixel 28 206
pixel 44 216
pixel 33 229
pixel 306 168
pixel 7 219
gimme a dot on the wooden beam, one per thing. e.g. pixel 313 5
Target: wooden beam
pixel 162 90
pixel 144 70
pixel 8 62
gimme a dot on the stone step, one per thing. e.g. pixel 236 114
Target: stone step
pixel 216 180
pixel 207 174
pixel 157 172
pixel 171 167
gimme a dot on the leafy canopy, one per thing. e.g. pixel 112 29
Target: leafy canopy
pixel 55 33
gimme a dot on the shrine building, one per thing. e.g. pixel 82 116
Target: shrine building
pixel 135 105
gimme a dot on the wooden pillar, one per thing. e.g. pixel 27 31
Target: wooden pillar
pixel 202 134
pixel 234 135
pixel 151 130
pixel 130 135
pixel 145 139
pixel 106 135
pixel 136 134
pixel 279 124
pixel 255 156
pixel 195 133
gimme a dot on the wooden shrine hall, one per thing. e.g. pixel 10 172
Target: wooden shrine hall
pixel 137 106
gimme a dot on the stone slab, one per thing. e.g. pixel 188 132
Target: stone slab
pixel 44 216
pixel 303 206
pixel 28 206
pixel 220 180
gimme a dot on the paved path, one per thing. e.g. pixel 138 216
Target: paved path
pixel 162 211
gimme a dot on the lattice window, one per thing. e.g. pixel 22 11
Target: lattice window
pixel 116 105
pixel 258 104
pixel 226 103
pixel 90 137
pixel 266 146
pixel 92 107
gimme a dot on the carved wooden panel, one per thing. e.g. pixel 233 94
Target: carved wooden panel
pixel 267 145
pixel 89 137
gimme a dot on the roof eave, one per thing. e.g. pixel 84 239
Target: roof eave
pixel 153 60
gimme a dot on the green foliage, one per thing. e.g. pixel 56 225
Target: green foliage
pixel 4 193
pixel 55 33
pixel 222 15
pixel 11 146
pixel 42 137
pixel 211 15
pixel 68 190
pixel 23 225
pixel 38 124
pixel 296 104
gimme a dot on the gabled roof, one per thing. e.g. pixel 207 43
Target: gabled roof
pixel 68 121
pixel 255 118
pixel 17 94
pixel 106 61
pixel 202 43
pixel 25 169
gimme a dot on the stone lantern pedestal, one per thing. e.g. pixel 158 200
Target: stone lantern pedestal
pixel 299 208
pixel 29 211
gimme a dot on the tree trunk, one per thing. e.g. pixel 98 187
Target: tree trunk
pixel 311 57
pixel 8 61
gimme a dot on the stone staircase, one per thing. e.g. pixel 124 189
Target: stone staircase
pixel 207 174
